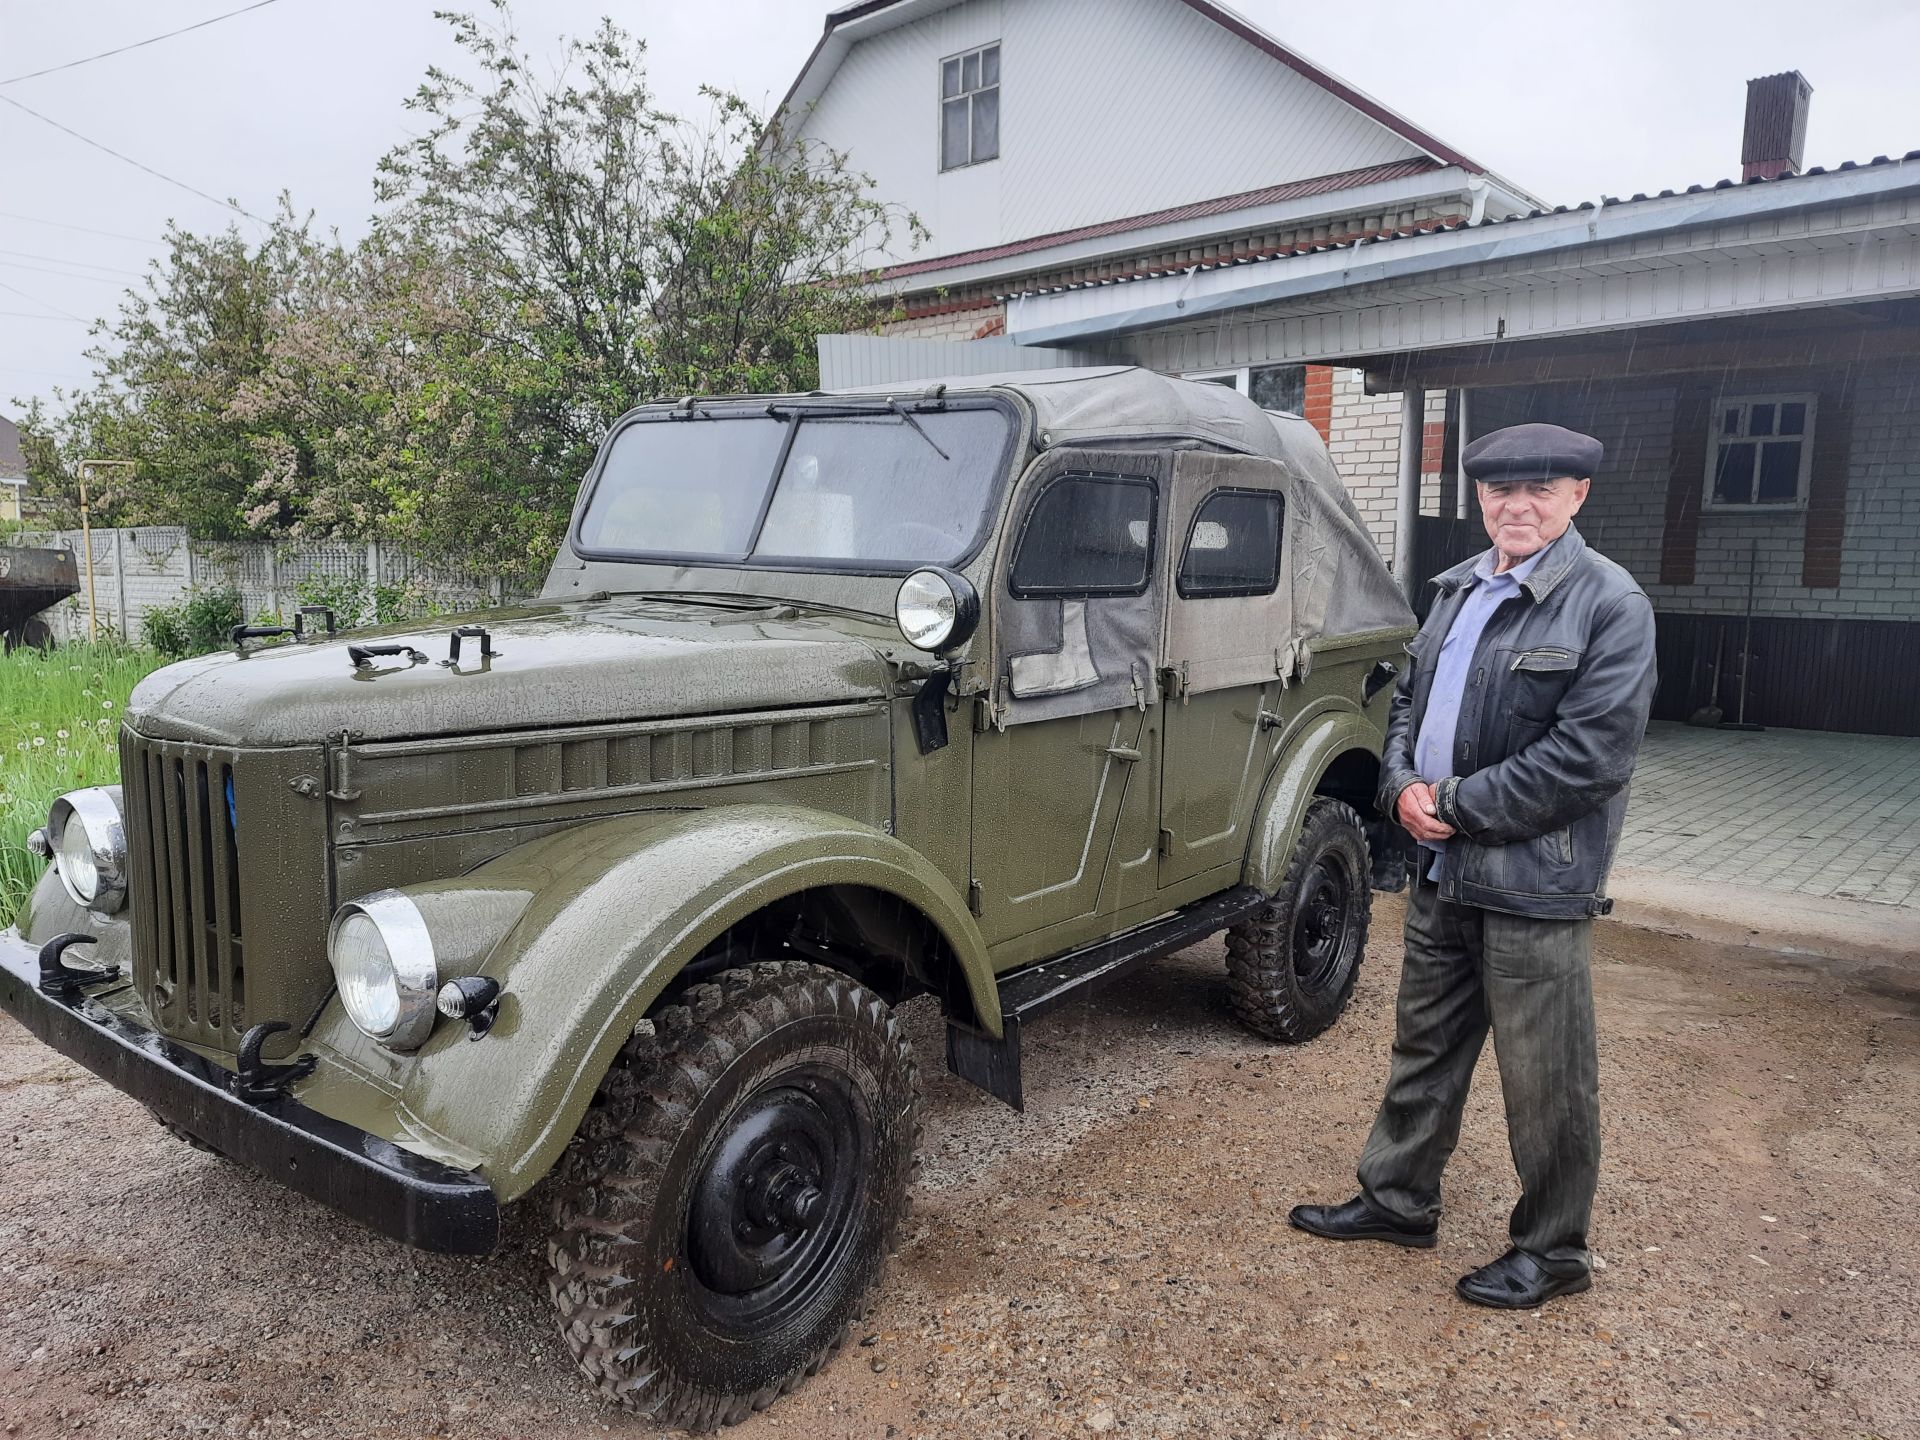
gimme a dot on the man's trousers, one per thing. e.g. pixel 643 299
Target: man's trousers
pixel 1468 970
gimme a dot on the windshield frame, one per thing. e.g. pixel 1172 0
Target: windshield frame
pixel 800 408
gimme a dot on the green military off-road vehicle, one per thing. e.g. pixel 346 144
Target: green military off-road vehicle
pixel 986 691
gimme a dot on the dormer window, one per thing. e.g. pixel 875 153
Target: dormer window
pixel 970 108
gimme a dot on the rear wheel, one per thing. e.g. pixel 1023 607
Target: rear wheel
pixel 730 1200
pixel 1292 964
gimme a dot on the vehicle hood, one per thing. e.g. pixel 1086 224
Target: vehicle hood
pixel 573 663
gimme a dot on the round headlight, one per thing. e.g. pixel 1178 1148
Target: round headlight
pixel 936 609
pixel 382 958
pixel 88 842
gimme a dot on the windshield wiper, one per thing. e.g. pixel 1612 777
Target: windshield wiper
pixel 894 406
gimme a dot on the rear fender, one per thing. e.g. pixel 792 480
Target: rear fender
pixel 608 915
pixel 1323 738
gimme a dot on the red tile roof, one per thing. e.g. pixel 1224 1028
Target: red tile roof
pixel 1198 210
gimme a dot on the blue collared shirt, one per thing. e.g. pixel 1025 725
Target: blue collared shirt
pixel 1433 746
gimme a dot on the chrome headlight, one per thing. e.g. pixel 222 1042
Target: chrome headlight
pixel 936 609
pixel 383 962
pixel 88 842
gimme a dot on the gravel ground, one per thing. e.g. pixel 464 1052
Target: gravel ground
pixel 1114 1261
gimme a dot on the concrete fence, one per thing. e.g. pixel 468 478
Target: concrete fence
pixel 136 570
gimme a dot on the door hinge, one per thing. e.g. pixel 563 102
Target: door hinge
pixel 974 898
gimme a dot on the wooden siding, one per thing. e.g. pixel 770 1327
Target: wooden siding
pixel 1109 110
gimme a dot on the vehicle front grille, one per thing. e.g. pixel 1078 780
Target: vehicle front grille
pixel 184 886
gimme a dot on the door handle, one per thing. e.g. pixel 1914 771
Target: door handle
pixel 1270 721
pixel 1122 752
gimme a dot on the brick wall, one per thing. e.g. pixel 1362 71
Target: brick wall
pixel 1879 569
pixel 1364 440
pixel 959 324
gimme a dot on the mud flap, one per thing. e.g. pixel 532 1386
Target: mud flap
pixel 993 1065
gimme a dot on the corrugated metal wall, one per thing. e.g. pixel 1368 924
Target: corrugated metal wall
pixel 849 361
pixel 1109 108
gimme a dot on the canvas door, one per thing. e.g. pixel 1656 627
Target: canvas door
pixel 1228 636
pixel 1072 760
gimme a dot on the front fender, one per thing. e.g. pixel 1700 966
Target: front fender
pixel 612 912
pixel 1322 738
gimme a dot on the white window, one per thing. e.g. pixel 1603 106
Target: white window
pixel 1760 452
pixel 970 108
pixel 1272 387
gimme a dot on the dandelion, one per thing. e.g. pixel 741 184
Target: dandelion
pixel 60 735
pixel 38 741
pixel 35 725
pixel 87 694
pixel 106 704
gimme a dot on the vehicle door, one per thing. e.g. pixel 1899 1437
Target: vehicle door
pixel 1069 755
pixel 1229 651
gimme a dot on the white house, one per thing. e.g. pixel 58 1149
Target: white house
pixel 1049 143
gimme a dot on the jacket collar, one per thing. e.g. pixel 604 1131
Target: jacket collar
pixel 1554 566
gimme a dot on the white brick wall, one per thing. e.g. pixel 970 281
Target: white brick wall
pixel 960 325
pixel 1626 514
pixel 1364 441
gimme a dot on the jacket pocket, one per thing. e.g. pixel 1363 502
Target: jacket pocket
pixel 1539 678
pixel 1559 846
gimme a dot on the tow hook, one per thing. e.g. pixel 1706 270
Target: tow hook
pixel 256 1081
pixel 58 978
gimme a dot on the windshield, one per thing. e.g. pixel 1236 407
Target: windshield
pixel 890 489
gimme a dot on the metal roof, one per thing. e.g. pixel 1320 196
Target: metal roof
pixel 1415 232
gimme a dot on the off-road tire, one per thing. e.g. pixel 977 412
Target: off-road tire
pixel 1290 977
pixel 746 1058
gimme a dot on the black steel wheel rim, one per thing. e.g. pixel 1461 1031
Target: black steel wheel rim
pixel 778 1201
pixel 1322 919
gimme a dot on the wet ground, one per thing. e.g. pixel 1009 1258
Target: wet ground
pixel 1116 1261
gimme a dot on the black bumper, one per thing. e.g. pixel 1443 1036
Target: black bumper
pixel 394 1191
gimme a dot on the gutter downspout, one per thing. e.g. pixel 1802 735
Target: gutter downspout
pixel 1413 424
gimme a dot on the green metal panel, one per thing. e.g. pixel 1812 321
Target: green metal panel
pixel 1217 755
pixel 613 909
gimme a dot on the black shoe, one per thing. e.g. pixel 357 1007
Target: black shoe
pixel 1357 1220
pixel 1517 1281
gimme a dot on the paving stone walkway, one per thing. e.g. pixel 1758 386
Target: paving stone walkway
pixel 1793 811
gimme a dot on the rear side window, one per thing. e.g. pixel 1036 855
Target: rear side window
pixel 1234 547
pixel 1087 535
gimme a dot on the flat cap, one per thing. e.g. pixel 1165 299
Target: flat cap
pixel 1533 452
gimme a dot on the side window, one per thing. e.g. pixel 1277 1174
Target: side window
pixel 1087 535
pixel 1234 547
pixel 970 108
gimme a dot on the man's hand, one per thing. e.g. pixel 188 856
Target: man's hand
pixel 1416 812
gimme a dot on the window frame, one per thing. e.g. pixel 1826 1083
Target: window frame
pixel 1106 477
pixel 1710 504
pixel 942 100
pixel 1237 591
pixel 1239 377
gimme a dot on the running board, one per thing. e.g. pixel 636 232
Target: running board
pixel 1028 993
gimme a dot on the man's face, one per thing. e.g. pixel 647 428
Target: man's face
pixel 1523 517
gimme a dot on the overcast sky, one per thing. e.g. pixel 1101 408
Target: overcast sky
pixel 305 95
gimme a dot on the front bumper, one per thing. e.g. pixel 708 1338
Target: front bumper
pixel 412 1199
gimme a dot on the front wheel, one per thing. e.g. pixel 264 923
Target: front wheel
pixel 1293 963
pixel 733 1193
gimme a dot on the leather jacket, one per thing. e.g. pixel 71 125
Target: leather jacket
pixel 1551 720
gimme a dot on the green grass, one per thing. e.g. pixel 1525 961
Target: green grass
pixel 59 728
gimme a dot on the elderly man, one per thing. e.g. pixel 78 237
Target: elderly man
pixel 1510 741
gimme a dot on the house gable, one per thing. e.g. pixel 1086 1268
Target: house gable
pixel 1108 111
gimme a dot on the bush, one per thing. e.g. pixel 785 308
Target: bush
pixel 199 624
